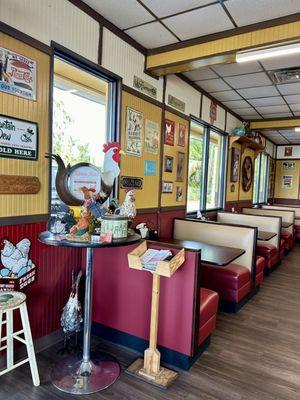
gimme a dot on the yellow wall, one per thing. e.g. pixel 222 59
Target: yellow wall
pixel 280 192
pixel 36 111
pixel 134 166
pixel 169 199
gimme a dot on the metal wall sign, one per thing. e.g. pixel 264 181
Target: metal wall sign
pixel 176 103
pixel 17 74
pixel 131 182
pixel 144 87
pixel 18 138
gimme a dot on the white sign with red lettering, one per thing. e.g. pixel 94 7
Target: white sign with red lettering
pixel 17 74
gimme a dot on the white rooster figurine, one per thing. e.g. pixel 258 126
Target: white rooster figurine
pixel 15 258
pixel 128 208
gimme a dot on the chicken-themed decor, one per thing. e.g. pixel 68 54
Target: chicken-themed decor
pixel 128 207
pixel 70 180
pixel 71 318
pixel 17 269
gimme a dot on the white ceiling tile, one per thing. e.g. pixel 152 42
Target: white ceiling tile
pixel 273 109
pixel 200 22
pixel 281 62
pixel 267 101
pixel 213 85
pixel 123 13
pixel 152 35
pixel 237 68
pixel 293 98
pixel 278 115
pixel 258 92
pixel 246 12
pixel 227 95
pixel 200 74
pixel 246 111
pixel 288 132
pixel 248 80
pixel 295 107
pixel 236 104
pixel 162 8
pixel 289 88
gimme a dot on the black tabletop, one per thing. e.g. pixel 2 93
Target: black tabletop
pixel 56 240
pixel 286 224
pixel 210 253
pixel 265 235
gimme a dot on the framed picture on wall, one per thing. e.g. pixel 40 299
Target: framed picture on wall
pixel 179 194
pixel 181 135
pixel 235 164
pixel 180 167
pixel 288 165
pixel 288 151
pixel 169 132
pixel 134 126
pixel 167 187
pixel 247 174
pixel 169 160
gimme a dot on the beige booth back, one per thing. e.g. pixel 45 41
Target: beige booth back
pixel 219 234
pixel 287 216
pixel 287 208
pixel 262 223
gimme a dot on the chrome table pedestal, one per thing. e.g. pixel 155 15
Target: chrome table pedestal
pixel 96 371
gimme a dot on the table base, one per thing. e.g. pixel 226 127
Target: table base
pixel 72 375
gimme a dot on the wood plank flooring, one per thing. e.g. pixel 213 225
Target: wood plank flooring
pixel 254 354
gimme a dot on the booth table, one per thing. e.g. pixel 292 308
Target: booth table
pixel 265 235
pixel 286 224
pixel 89 374
pixel 210 253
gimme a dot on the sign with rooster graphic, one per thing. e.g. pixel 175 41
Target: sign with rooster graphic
pixel 169 132
pixel 17 269
pixel 17 74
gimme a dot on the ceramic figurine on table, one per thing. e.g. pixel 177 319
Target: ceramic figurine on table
pixel 128 208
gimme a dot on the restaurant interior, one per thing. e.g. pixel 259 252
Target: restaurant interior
pixel 150 211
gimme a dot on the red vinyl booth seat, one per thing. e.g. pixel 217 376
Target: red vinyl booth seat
pixel 269 252
pixel 297 231
pixel 288 239
pixel 232 282
pixel 208 313
pixel 282 247
pixel 260 266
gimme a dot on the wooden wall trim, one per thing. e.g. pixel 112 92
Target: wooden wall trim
pixel 16 34
pixel 172 208
pixel 23 219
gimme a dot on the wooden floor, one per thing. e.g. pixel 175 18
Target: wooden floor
pixel 254 354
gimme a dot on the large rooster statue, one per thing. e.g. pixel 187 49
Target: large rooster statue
pixel 110 172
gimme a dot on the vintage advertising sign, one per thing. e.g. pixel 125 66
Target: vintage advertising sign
pixel 18 138
pixel 134 126
pixel 151 136
pixel 17 74
pixel 176 103
pixel 213 112
pixel 81 176
pixel 18 184
pixel 169 132
pixel 144 87
pixel 131 182
pixel 288 151
pixel 287 182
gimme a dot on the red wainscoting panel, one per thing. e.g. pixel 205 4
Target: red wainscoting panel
pixel 151 220
pixel 46 296
pixel 122 298
pixel 166 222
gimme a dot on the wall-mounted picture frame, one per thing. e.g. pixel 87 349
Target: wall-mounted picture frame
pixel 167 187
pixel 134 127
pixel 169 161
pixel 169 132
pixel 235 164
pixel 180 166
pixel 247 174
pixel 288 165
pixel 181 135
pixel 179 194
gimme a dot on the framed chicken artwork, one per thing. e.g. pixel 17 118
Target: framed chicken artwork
pixel 169 132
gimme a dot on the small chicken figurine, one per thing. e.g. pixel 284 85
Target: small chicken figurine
pixel 128 208
pixel 15 258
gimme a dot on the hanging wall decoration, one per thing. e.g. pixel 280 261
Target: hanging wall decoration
pixel 167 187
pixel 169 160
pixel 235 164
pixel 18 138
pixel 169 132
pixel 247 174
pixel 179 194
pixel 150 168
pixel 287 182
pixel 17 74
pixel 17 269
pixel 134 126
pixel 151 137
pixel 181 135
pixel 288 151
pixel 180 167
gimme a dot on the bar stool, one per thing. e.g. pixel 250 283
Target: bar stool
pixel 10 301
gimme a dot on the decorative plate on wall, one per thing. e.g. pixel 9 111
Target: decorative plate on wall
pixel 247 173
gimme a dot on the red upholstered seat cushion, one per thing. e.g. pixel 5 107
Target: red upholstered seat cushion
pixel 282 246
pixel 231 276
pixel 266 250
pixel 208 304
pixel 260 264
pixel 286 236
pixel 208 309
pixel 297 231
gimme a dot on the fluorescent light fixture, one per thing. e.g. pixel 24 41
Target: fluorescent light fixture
pixel 297 129
pixel 267 52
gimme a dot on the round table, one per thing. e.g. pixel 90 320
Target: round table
pixel 97 371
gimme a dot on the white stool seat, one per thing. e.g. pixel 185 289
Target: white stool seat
pixel 9 300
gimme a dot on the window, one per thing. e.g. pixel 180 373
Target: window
pixel 82 109
pixel 206 176
pixel 260 179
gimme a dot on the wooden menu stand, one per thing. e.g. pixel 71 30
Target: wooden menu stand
pixel 149 368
